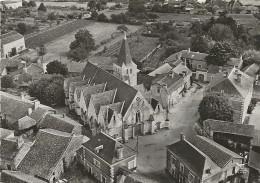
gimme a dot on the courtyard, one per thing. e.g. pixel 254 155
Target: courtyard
pixel 151 159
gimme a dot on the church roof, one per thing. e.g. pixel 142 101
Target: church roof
pixel 124 57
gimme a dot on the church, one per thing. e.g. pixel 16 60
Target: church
pixel 108 102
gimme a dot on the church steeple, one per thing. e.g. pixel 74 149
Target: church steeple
pixel 124 57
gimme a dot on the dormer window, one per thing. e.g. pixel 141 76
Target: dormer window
pixel 98 148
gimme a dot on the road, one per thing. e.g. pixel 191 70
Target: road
pixel 151 159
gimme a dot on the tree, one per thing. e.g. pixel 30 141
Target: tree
pixel 31 4
pixel 56 67
pixel 215 107
pixel 42 51
pixel 92 4
pixel 51 16
pixel 102 18
pixel 48 91
pixel 42 8
pixel 136 6
pixel 94 15
pixel 221 53
pixel 220 32
pixel 24 3
pixel 81 47
pixel 7 82
pixel 202 44
pixel 122 28
pixel 23 29
pixel 250 57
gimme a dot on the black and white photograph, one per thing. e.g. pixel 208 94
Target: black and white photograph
pixel 130 91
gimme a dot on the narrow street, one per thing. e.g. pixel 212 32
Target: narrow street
pixel 152 148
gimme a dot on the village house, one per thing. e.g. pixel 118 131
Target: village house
pixel 196 62
pixel 51 154
pixel 11 4
pixel 238 87
pixel 202 160
pixel 236 137
pixel 254 164
pixel 20 114
pixel 11 44
pixel 102 156
pixel 9 176
pixel 12 151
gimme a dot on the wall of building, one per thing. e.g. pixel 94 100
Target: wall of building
pixel 18 44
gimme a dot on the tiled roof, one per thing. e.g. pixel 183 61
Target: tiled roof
pixel 14 106
pixel 75 67
pixel 230 85
pixel 105 63
pixel 46 152
pixel 104 98
pixel 108 152
pixel 172 83
pixel 133 177
pixel 8 148
pixel 57 122
pixel 90 90
pixel 256 139
pixel 145 79
pixel 10 37
pixel 193 158
pixel 9 176
pixel 24 123
pixel 39 113
pixel 217 153
pixel 230 128
pixel 165 68
pixel 254 158
pixel 5 133
pixel 251 70
pixel 125 92
pixel 75 84
pixel 180 68
pixel 154 103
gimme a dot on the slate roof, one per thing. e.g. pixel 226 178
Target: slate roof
pixel 107 111
pixel 104 98
pixel 105 63
pixel 230 85
pixel 9 176
pixel 10 37
pixel 230 128
pixel 39 113
pixel 90 90
pixel 251 70
pixel 124 57
pixel 154 103
pixel 25 122
pixel 14 106
pixel 193 158
pixel 172 83
pixel 125 92
pixel 242 19
pixel 165 68
pixel 8 148
pixel 57 122
pixel 217 153
pixel 46 152
pixel 254 158
pixel 256 139
pixel 108 153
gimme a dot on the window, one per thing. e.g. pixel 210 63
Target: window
pixel 199 66
pixel 173 159
pixel 103 179
pixel 114 118
pixel 96 163
pixel 181 168
pixel 212 77
pixel 191 177
pixel 180 179
pixel 234 170
pixel 130 71
pixel 158 89
pixel 126 71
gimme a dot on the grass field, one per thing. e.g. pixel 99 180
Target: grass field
pixel 181 17
pixel 57 49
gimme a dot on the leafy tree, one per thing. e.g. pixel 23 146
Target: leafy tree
pixel 250 57
pixel 201 44
pixel 121 18
pixel 56 67
pixel 31 4
pixel 81 47
pixel 221 53
pixel 220 32
pixel 102 18
pixel 136 6
pixel 122 28
pixel 49 91
pixel 13 52
pixel 94 15
pixel 51 16
pixel 42 8
pixel 23 29
pixel 7 82
pixel 24 3
pixel 42 51
pixel 92 4
pixel 215 107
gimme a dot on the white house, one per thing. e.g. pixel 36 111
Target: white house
pixel 11 44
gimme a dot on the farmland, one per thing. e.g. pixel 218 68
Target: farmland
pixel 181 17
pixel 54 33
pixel 57 48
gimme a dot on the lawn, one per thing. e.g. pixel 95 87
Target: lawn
pixel 57 49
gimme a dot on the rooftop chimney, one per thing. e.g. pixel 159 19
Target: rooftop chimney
pixel 188 50
pixel 63 115
pixel 119 152
pixel 98 148
pixel 182 136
